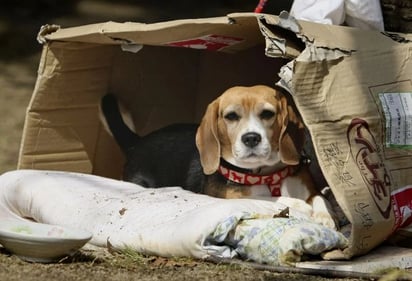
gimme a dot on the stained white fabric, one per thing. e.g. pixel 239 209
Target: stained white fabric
pixel 169 222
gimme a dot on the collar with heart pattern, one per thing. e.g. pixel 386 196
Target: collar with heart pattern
pixel 273 181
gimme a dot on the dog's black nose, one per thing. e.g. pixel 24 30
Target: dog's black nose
pixel 251 139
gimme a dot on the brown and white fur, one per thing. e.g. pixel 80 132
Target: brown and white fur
pixel 255 130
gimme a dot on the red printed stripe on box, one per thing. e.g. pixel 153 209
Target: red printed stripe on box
pixel 208 42
pixel 402 205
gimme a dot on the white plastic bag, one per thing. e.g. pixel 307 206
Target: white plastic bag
pixel 355 13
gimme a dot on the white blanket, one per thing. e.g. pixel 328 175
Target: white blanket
pixel 169 222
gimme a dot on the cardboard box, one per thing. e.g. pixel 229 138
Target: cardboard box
pixel 168 72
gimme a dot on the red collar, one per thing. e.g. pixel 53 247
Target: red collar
pixel 273 181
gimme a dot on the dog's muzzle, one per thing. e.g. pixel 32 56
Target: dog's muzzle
pixel 251 140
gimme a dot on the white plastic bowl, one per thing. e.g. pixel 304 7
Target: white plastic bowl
pixel 37 242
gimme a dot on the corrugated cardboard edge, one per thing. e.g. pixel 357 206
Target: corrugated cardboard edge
pixel 155 34
pixel 322 36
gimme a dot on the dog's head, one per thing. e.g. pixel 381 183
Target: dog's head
pixel 250 127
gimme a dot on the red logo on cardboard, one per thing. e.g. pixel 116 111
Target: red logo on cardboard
pixel 364 150
pixel 207 42
pixel 402 205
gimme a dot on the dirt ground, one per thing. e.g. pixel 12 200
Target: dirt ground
pixel 93 267
pixel 19 57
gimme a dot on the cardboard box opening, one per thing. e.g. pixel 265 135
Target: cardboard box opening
pixel 160 85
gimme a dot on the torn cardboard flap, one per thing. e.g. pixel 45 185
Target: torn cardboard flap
pixel 240 26
pixel 343 38
pixel 339 99
pixel 322 40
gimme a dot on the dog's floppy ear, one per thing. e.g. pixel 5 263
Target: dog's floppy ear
pixel 207 140
pixel 292 134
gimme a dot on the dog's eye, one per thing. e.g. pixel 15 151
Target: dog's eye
pixel 232 116
pixel 266 114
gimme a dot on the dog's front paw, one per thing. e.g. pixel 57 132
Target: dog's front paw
pixel 325 219
pixel 323 213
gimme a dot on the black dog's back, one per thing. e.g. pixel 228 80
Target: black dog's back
pixel 165 157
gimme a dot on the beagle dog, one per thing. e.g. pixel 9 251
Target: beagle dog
pixel 250 142
pixel 248 145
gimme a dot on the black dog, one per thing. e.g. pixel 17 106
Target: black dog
pixel 165 157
